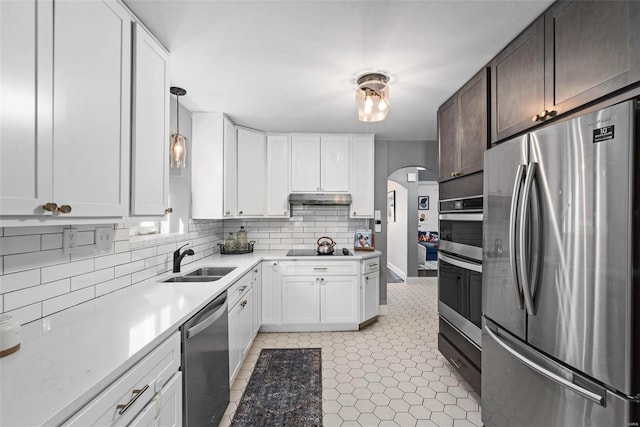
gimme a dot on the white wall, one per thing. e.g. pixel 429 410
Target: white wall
pixel 430 223
pixel 397 255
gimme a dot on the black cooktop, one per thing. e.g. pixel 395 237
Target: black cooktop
pixel 312 252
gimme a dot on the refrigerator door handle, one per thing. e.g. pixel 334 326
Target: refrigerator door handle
pixel 523 240
pixel 588 394
pixel 515 194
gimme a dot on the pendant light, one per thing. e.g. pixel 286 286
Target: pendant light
pixel 372 97
pixel 178 146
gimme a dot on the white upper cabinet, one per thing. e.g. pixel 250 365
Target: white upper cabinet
pixel 229 168
pixel 320 163
pixel 252 151
pixel 362 176
pixel 71 150
pixel 91 107
pixel 305 163
pixel 150 126
pixel 335 152
pixel 213 134
pixel 25 113
pixel 278 167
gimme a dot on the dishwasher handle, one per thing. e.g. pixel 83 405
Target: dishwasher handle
pixel 208 321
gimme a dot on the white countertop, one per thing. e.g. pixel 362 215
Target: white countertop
pixel 66 359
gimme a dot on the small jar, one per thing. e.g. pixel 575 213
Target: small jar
pixel 9 335
pixel 242 239
pixel 230 244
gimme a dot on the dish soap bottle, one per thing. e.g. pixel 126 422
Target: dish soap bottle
pixel 230 244
pixel 242 239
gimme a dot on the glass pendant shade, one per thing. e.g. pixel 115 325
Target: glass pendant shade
pixel 178 143
pixel 178 151
pixel 372 97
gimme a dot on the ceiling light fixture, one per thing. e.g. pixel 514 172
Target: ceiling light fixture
pixel 178 146
pixel 372 97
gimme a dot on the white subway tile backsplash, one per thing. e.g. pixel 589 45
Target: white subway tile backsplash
pixel 17 281
pixel 89 279
pixel 129 268
pixel 121 235
pixel 22 231
pixel 23 297
pixel 65 301
pixel 144 253
pixel 122 246
pixel 19 262
pixel 51 241
pixel 144 274
pixel 19 244
pixel 111 260
pixel 26 314
pixel 112 285
pixel 49 274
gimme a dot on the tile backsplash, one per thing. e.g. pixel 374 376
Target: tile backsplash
pixel 38 279
pixel 302 230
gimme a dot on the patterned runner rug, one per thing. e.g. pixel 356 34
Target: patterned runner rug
pixel 285 389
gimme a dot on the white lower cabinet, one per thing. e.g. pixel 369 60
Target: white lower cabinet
pixel 256 279
pixel 165 410
pixel 121 402
pixel 241 326
pixel 300 299
pixel 271 291
pixel 339 299
pixel 370 289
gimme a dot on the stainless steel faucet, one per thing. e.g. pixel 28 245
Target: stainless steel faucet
pixel 177 257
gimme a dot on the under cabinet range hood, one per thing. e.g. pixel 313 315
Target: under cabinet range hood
pixel 319 199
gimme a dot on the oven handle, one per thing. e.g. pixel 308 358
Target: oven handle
pixel 460 217
pixel 517 185
pixel 460 263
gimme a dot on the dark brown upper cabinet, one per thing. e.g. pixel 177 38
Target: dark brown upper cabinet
pixel 575 53
pixel 591 50
pixel 462 129
pixel 517 83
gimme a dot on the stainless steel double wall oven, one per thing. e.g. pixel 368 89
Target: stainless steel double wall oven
pixel 460 265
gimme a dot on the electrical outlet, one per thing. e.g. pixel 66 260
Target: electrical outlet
pixel 69 240
pixel 104 238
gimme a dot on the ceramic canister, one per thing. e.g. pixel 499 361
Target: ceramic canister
pixel 9 335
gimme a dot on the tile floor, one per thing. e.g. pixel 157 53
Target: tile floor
pixel 388 374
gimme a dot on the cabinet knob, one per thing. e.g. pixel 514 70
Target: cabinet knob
pixel 543 115
pixel 50 207
pixel 168 210
pixel 227 213
pixel 366 277
pixel 255 271
pixel 240 213
pixel 243 303
pixel 354 212
pixel 64 209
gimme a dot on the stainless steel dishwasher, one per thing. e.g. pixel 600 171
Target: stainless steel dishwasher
pixel 205 364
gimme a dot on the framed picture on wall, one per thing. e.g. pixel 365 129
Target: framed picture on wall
pixel 423 203
pixel 391 206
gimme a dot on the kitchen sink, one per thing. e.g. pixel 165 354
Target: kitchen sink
pixel 194 279
pixel 210 271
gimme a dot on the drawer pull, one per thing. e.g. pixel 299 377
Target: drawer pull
pixel 134 396
pixel 375 264
pixel 242 288
pixel 455 362
pixel 320 268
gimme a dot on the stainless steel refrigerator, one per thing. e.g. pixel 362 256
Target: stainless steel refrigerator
pixel 561 285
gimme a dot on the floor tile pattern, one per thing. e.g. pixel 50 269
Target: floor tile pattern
pixel 388 374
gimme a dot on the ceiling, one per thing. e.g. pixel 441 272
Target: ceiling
pixel 289 66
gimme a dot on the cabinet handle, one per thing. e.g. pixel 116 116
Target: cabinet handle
pixel 255 271
pixel 366 277
pixel 50 207
pixel 242 288
pixel 135 394
pixel 321 268
pixel 64 209
pixel 354 213
pixel 240 213
pixel 322 279
pixel 543 115
pixel 227 213
pixel 243 303
pixel 456 173
pixel 374 264
pixel 458 364
pixel 275 263
pixel 168 210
